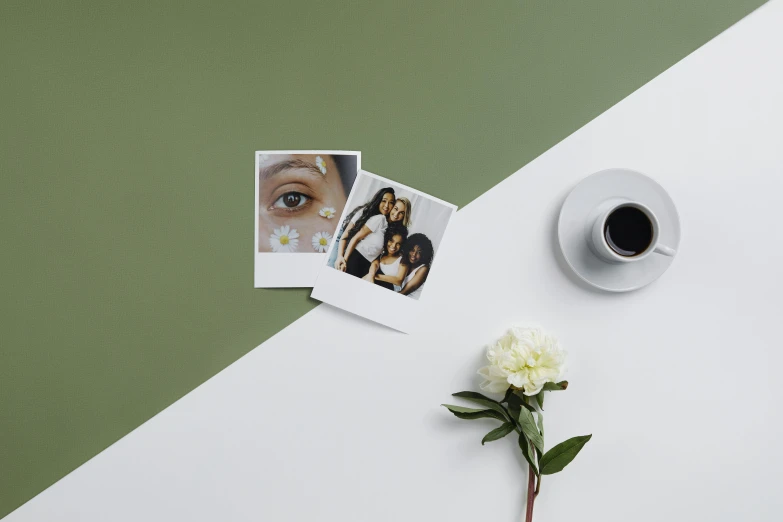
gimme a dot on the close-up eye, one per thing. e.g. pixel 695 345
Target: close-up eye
pixel 291 200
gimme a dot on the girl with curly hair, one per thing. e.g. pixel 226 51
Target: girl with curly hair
pixel 418 254
pixel 380 205
pixel 390 268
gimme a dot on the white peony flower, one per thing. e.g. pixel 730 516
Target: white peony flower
pixel 321 241
pixel 525 358
pixel 284 239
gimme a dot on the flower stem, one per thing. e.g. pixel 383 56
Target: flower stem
pixel 531 494
pixel 532 487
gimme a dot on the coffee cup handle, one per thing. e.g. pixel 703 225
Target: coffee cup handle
pixel 664 250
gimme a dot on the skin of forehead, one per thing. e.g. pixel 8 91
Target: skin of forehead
pixel 331 166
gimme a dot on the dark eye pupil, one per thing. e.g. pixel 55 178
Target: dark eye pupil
pixel 291 199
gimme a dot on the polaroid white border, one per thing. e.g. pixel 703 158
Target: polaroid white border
pixel 359 297
pixel 295 270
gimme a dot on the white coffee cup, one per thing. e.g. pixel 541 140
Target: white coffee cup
pixel 596 232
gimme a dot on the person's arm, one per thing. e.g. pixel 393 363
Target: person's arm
pixel 416 281
pixel 373 270
pixel 361 234
pixel 395 280
pixel 339 263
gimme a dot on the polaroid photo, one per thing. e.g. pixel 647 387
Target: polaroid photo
pixel 300 195
pixel 384 249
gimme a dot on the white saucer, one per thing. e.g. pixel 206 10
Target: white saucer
pixel 574 222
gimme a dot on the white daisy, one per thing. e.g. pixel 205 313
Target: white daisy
pixel 321 241
pixel 284 239
pixel 321 164
pixel 327 212
pixel 263 157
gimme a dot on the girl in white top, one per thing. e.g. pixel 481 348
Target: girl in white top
pixel 368 241
pixel 418 253
pixel 381 204
pixel 389 269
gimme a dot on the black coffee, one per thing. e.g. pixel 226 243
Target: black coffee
pixel 628 231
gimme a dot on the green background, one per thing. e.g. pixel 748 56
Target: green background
pixel 127 135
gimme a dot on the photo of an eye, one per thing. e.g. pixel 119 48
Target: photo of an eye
pixel 291 200
pixel 303 190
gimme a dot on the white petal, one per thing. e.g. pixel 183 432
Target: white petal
pixel 494 386
pixel 518 379
pixel 532 389
pixel 498 372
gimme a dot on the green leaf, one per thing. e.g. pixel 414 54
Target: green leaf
pixel 526 401
pixel 498 433
pixel 540 399
pixel 518 401
pixel 461 409
pixel 473 413
pixel 555 386
pixel 513 410
pixel 527 452
pixel 541 424
pixel 529 428
pixel 561 455
pixel 507 395
pixel 481 399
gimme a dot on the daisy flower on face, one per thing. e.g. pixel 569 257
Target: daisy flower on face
pixel 327 212
pixel 319 161
pixel 284 239
pixel 321 241
pixel 263 157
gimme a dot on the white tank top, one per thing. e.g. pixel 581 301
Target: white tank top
pixel 392 268
pixel 416 293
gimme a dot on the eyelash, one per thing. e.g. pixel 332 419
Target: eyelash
pixel 303 200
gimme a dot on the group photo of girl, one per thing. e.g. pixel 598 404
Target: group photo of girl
pixel 388 236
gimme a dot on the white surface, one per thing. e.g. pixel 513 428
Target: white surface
pixel 337 418
pixel 580 231
pixel 376 303
pixel 284 270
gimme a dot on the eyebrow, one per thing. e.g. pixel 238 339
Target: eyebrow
pixel 280 166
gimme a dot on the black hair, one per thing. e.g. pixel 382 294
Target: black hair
pixel 368 210
pixel 346 166
pixel 424 243
pixel 394 229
